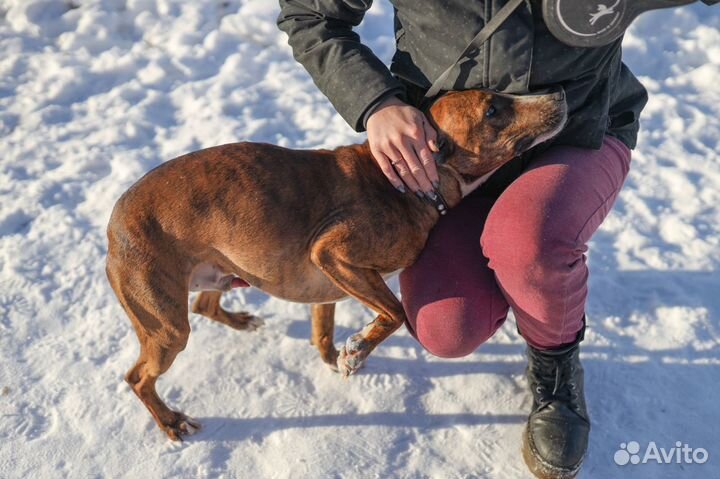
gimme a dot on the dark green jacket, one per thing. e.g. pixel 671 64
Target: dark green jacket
pixel 603 95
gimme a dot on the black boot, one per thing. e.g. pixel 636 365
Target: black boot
pixel 556 436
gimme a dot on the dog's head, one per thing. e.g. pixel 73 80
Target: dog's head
pixel 481 130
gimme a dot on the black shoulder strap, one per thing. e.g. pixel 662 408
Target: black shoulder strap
pixel 476 42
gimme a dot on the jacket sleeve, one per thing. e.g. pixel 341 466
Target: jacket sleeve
pixel 321 35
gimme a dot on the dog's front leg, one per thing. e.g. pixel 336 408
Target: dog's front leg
pixel 366 285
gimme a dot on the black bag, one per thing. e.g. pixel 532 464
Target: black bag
pixel 584 23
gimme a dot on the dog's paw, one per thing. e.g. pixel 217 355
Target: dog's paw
pixel 349 363
pixel 243 321
pixel 333 367
pixel 255 323
pixel 182 426
pixel 329 356
pixel 352 356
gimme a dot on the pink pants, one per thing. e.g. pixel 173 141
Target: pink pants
pixel 525 250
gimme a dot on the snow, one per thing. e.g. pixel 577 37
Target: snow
pixel 95 93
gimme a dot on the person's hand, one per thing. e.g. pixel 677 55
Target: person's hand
pixel 402 142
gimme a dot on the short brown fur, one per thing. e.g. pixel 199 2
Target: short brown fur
pixel 310 226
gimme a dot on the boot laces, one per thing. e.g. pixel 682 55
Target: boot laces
pixel 555 381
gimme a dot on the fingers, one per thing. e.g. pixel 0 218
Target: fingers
pixel 399 163
pixel 431 137
pixel 415 166
pixel 430 146
pixel 429 167
pixel 402 142
pixel 385 164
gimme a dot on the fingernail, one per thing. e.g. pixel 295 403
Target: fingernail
pixel 400 188
pixel 431 195
pixel 433 146
pixel 419 194
pixel 436 184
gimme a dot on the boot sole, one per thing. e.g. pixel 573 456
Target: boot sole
pixel 540 468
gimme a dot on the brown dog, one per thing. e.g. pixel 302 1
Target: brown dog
pixel 308 226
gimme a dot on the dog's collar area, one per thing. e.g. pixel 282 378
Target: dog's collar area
pixel 438 202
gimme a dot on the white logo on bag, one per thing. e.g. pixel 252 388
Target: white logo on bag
pixel 602 10
pixel 610 16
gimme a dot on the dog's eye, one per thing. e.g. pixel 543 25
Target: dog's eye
pixel 490 111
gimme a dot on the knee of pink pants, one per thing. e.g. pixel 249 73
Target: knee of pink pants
pixel 450 296
pixel 453 327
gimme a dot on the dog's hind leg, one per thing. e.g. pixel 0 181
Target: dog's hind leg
pixel 323 328
pixel 368 286
pixel 207 304
pixel 158 311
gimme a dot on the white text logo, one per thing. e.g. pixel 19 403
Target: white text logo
pixel 629 453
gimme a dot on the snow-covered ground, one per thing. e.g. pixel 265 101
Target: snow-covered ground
pixel 93 93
